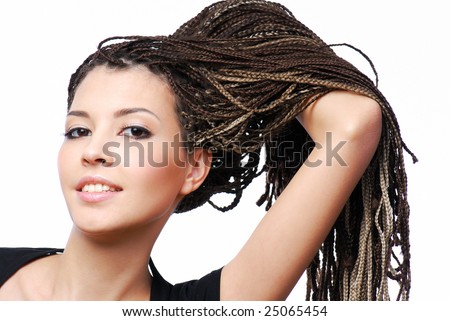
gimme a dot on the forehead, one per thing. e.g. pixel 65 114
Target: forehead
pixel 134 86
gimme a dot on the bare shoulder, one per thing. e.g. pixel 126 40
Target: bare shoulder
pixel 28 283
pixel 12 289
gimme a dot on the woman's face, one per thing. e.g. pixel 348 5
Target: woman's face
pixel 121 165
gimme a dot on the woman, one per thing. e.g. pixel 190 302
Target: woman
pixel 200 105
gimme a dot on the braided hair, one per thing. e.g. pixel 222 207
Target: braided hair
pixel 241 70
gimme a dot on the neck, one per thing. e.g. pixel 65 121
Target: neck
pixel 102 268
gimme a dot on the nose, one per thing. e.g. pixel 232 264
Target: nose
pixel 95 153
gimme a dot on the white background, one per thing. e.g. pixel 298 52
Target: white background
pixel 42 43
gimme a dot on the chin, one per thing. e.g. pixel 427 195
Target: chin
pixel 96 225
pixel 96 231
pixel 108 229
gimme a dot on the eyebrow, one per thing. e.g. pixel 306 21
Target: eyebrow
pixel 78 113
pixel 120 113
pixel 127 111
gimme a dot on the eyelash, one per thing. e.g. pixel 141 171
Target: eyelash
pixel 69 133
pixel 145 133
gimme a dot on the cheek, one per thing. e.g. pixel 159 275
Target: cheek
pixel 157 168
pixel 65 157
pixel 159 155
pixel 155 190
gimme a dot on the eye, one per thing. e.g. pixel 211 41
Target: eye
pixel 136 132
pixel 77 132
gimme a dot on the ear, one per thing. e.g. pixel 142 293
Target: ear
pixel 197 169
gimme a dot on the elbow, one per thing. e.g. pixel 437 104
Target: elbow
pixel 365 124
pixel 348 116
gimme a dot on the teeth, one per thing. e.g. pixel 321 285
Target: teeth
pixel 90 188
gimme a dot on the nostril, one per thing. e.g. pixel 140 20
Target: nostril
pixel 105 162
pixel 93 156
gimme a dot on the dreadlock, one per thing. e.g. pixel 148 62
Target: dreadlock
pixel 241 71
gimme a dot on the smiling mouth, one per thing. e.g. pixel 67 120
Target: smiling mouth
pixel 98 188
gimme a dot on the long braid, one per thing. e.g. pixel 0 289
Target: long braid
pixel 242 70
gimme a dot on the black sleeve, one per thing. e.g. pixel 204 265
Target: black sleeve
pixel 12 259
pixel 205 289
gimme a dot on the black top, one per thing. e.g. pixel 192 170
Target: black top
pixel 205 289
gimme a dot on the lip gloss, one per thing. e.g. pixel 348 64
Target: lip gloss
pixel 95 197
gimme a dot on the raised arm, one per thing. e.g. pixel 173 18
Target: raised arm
pixel 290 234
